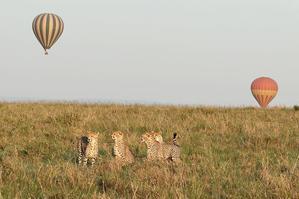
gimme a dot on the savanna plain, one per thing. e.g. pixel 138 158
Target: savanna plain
pixel 226 152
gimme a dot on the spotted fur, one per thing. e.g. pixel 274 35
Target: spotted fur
pixel 160 151
pixel 153 146
pixel 121 151
pixel 87 148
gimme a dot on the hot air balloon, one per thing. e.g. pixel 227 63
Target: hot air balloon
pixel 264 89
pixel 47 29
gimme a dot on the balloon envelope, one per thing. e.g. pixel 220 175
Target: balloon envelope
pixel 264 89
pixel 47 29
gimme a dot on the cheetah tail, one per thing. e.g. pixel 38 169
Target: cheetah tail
pixel 174 140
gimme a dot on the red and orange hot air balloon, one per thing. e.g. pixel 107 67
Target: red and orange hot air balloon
pixel 264 89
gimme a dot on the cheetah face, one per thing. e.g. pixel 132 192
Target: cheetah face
pixel 157 136
pixel 117 135
pixel 92 136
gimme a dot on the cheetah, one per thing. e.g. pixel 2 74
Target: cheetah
pixel 161 151
pixel 121 151
pixel 88 148
pixel 153 146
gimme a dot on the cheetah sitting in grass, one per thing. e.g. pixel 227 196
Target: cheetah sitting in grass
pixel 122 153
pixel 88 148
pixel 160 151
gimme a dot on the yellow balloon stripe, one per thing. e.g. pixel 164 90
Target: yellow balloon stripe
pixel 43 32
pixel 49 29
pixel 264 92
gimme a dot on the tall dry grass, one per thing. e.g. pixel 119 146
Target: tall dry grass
pixel 226 152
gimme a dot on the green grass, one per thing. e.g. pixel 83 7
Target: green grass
pixel 226 152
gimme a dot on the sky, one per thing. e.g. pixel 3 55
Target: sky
pixel 194 52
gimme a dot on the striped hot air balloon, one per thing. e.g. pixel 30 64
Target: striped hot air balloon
pixel 264 89
pixel 47 29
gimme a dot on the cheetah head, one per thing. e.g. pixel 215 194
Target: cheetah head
pixel 117 135
pixel 157 136
pixel 92 136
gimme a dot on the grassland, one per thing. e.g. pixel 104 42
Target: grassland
pixel 226 152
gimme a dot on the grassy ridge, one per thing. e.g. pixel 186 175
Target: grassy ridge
pixel 226 153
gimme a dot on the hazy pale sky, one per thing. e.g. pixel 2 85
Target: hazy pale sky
pixel 202 52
